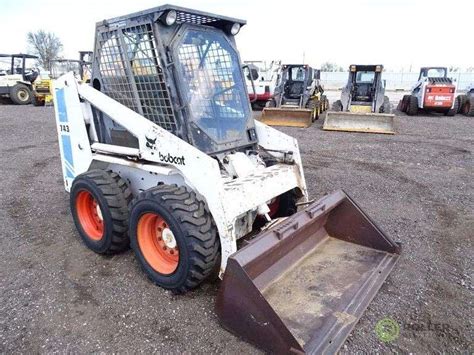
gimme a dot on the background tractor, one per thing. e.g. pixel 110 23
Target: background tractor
pixel 162 154
pixel 363 106
pixel 433 92
pixel 17 82
pixel 466 102
pixel 298 99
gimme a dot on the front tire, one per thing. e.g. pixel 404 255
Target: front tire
pixel 412 106
pixel 20 94
pixel 99 205
pixel 174 237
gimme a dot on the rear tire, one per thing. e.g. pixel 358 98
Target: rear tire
pixel 99 205
pixel 20 94
pixel 403 105
pixel 452 111
pixel 174 237
pixel 337 106
pixel 324 103
pixel 412 107
pixel 315 107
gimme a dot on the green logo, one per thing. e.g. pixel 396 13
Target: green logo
pixel 387 330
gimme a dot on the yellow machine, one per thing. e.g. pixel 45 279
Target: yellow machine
pixel 42 87
pixel 298 100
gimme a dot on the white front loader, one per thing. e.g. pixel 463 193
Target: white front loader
pixel 234 199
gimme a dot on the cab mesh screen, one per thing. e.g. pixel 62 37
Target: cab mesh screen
pixel 131 74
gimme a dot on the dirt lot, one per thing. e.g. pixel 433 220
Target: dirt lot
pixel 418 185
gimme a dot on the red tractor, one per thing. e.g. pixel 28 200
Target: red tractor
pixel 434 92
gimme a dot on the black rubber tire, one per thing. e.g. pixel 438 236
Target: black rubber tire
pixel 287 204
pixel 454 110
pixel 403 105
pixel 16 92
pixel 468 107
pixel 113 196
pixel 312 105
pixel 37 102
pixel 386 106
pixel 462 101
pixel 270 103
pixel 337 106
pixel 324 103
pixel 412 107
pixel 194 230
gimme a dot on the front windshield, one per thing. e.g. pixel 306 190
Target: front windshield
pixel 213 86
pixel 365 77
pixel 297 74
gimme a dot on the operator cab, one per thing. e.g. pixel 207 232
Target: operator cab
pixel 364 80
pixel 180 69
pixel 296 78
pixel 18 66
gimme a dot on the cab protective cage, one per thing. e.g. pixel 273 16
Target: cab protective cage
pixel 146 64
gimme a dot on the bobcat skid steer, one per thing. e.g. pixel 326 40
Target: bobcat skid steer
pixel 161 153
pixel 363 106
pixel 298 99
pixel 433 92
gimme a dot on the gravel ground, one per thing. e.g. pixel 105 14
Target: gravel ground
pixel 55 295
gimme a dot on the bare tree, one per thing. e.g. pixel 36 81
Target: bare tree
pixel 327 66
pixel 46 45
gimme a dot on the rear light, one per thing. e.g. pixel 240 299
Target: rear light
pixel 267 89
pixel 428 89
pixel 451 90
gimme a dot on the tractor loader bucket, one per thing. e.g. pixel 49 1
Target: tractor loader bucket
pixel 290 117
pixel 301 286
pixel 359 122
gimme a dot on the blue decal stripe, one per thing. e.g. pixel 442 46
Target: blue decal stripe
pixel 65 139
pixel 62 113
pixel 67 152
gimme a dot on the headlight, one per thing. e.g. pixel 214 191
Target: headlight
pixel 171 17
pixel 235 29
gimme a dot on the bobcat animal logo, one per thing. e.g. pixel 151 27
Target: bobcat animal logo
pixel 150 143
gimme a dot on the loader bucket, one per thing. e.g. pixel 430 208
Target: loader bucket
pixel 359 122
pixel 290 117
pixel 301 286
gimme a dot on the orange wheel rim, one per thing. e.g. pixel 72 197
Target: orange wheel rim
pixel 90 215
pixel 157 243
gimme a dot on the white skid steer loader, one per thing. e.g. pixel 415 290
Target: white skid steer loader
pixel 162 153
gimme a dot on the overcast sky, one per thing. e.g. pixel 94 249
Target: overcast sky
pixel 397 33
